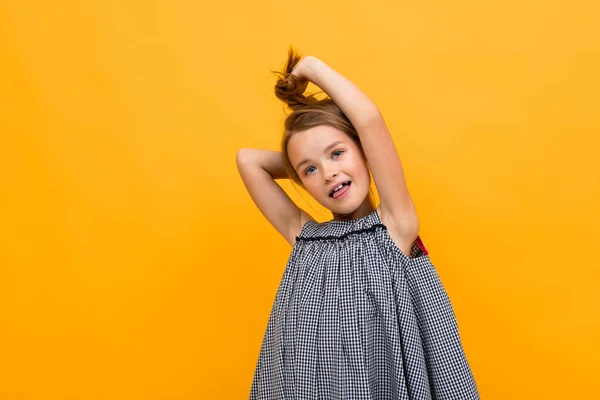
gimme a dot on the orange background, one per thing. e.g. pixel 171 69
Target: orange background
pixel 133 264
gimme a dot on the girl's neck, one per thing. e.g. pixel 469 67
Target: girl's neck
pixel 366 208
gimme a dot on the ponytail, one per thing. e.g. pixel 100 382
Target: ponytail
pixel 289 88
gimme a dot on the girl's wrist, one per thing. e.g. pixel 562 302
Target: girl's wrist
pixel 307 68
pixel 272 162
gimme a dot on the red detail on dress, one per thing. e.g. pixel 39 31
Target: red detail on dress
pixel 421 245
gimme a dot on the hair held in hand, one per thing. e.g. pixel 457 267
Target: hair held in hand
pixel 289 88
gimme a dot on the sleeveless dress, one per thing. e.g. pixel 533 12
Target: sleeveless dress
pixel 355 318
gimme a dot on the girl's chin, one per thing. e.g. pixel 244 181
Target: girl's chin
pixel 343 211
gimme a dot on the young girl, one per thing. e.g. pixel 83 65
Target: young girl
pixel 360 312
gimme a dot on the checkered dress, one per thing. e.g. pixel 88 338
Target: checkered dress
pixel 355 318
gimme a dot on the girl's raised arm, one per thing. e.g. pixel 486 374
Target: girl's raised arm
pixel 259 169
pixel 396 203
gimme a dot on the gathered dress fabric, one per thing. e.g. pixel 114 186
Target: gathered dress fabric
pixel 356 318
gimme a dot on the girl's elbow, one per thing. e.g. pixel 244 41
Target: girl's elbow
pixel 243 156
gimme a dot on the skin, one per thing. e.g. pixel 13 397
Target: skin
pixel 259 168
pixel 328 166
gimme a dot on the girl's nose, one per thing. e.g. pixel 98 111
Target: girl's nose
pixel 331 175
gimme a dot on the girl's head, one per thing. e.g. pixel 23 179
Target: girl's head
pixel 321 149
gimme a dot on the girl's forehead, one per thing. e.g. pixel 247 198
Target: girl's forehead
pixel 315 139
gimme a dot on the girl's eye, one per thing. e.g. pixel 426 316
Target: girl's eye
pixel 307 170
pixel 335 154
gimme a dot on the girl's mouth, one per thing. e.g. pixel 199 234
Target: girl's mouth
pixel 337 193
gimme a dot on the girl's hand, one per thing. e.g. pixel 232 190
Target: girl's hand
pixel 304 69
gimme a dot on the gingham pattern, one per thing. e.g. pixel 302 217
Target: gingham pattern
pixel 355 318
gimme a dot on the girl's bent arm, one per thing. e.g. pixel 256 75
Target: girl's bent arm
pixel 258 170
pixel 396 203
pixel 268 160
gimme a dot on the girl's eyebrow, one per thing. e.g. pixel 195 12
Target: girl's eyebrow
pixel 324 151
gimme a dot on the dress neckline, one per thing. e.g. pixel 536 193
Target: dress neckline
pixel 350 221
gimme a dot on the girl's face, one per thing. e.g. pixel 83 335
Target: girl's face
pixel 325 158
